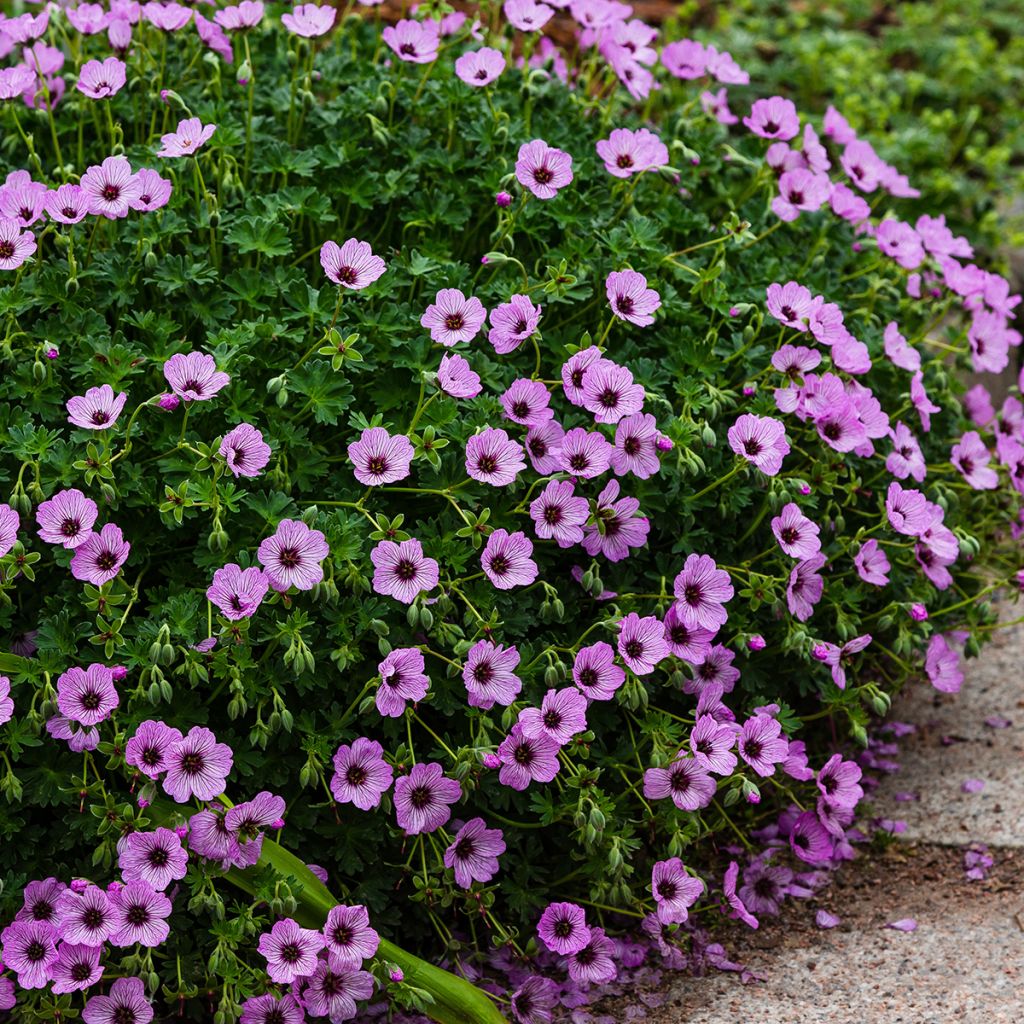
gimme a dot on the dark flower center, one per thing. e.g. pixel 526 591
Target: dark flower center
pixel 484 672
pixel 289 558
pixel 137 915
pixel 291 953
pixel 356 775
pixel 523 755
pixel 106 560
pixel 487 464
pixel 93 918
pixel 679 781
pixel 110 192
pixel 563 928
pixel 552 719
pixel 632 446
pixel 42 911
pixel 90 700
pixel 342 935
pixel 624 160
pixel 421 797
pixel 70 527
pixel 465 848
pixel 552 515
pixel 377 464
pixel 752 447
pixel 521 409
pixel 609 398
pixel 157 857
pixel 542 175
pixel 634 648
pixel 752 748
pixel 789 312
pixel 35 951
pixel 625 304
pixel 193 385
pixel 123 1015
pixel 100 416
pixel 193 763
pixel 405 570
pixel 667 889
pixel 500 565
pixel 790 535
pixel 692 595
pixel 454 322
pixel 347 275
pixel 6 250
pixel 81 971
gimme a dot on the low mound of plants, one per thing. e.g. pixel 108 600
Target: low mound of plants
pixel 462 495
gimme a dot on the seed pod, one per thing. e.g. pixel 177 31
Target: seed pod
pixel 550 676
pixel 708 436
pixel 150 261
pixel 426 618
pixel 412 616
pixel 282 398
pixel 38 372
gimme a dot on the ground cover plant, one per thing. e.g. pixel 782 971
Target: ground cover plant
pixel 462 493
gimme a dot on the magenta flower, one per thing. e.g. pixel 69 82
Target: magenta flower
pixel 594 963
pixel 839 782
pixel 761 440
pixel 800 190
pixel 563 928
pixel 626 153
pixel 686 59
pixel 526 759
pixel 76 968
pixel 527 15
pixel 837 657
pixel 452 318
pixel 67 518
pixel 594 671
pixel 908 511
pixel 156 857
pixel 380 458
pixel 805 587
pixel 618 528
pixel 292 557
pixel 492 457
pixel 413 41
pixel 762 745
pixel 573 371
pixel 239 17
pixel 139 914
pixel 562 714
pixel 244 450
pixel 839 425
pixel 197 766
pixel 609 391
pixel 810 840
pixel 630 298
pixel 6 704
pixel 97 409
pixel 348 937
pixel 702 590
pixel 525 402
pixel 716 669
pixel 642 643
pixel 361 775
pixel 773 118
pixel 716 105
pixel 193 376
pixel 795 361
pixel 636 446
pixel 333 993
pixel 84 917
pixel 402 571
pixel 797 535
pixel 791 304
pixel 543 169
pixel 906 458
pixel 290 951
pixel 67 204
pixel 78 738
pixel 87 696
pixel 922 403
pixel 489 674
pixel 691 643
pixel 168 17
pixel 101 79
pixel 685 781
pixel 585 453
pixel 544 447
pixel 39 900
pixel 512 323
pixel 29 948
pixel 711 743
pixel 971 457
pixel 506 560
pixel 899 350
pixel 126 1001
pixel 352 265
pixel 238 592
pixel 154 191
pixel 674 890
pixel 402 679
pixel 474 852
pixel 110 187
pixel 190 134
pixel 456 378
pixel 149 747
pixel 559 514
pixel 900 242
pixel 309 20
pixel 10 521
pixel 480 67
pixel 942 665
pixel 423 798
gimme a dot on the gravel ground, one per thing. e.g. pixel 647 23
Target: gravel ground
pixel 965 961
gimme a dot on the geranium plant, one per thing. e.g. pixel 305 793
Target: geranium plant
pixel 451 482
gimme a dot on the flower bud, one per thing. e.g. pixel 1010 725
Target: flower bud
pixel 918 612
pixel 150 261
pixel 503 199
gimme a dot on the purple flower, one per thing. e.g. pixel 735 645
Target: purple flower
pixel 6 704
pixel 402 571
pixel 901 242
pixel 268 1009
pixel 292 557
pixel 239 17
pixel 244 450
pixel 971 458
pixel 636 446
pixel 492 457
pixel 39 900
pixel 796 534
pixel 908 511
pixel 711 743
pixel 800 190
pixel 872 563
pixel 85 918
pixel 67 518
pixel 423 798
pixel 626 153
pixel 527 15
pixel 685 780
pixel 609 391
pixel 899 350
pixel 716 105
pixel 67 204
pixel 805 587
pixel 674 890
pixel 76 968
pixel 543 169
pixel 761 440
pixel 594 671
pixel 839 782
pixel 617 527
pixel 691 643
pixel 544 447
pixel 101 79
pixel 238 592
pixel 97 409
pixel 87 696
pixel 29 948
pixel 942 665
pixel 489 674
pixel 642 643
pixel 791 304
pixel 559 514
pixel 156 857
pixel 413 41
pixel 563 928
pixel 480 67
pixel 380 458
pixel 245 822
pixel 739 909
pixel 810 840
pixel 585 453
pixel 765 886
pixel 474 852
pixel 309 21
pixel 126 1002
pixel 630 298
pixel 906 458
pixel 456 378
pixel 573 370
pixel 352 265
pixel 402 679
pixel 290 951
pixel 100 556
pixel 194 376
pixel 10 521
pixel 562 714
pixel 78 737
pixel 506 560
pixel 837 657
pixel 512 323
pixel 702 590
pixel 361 775
pixel 762 745
pixel 773 118
pixel 924 406
pixel 197 766
pixel 526 759
pixel 333 993
pixel 534 1000
pixel 526 402
pixel 168 17
pixel 716 668
pixel 348 937
pixel 140 915
pixel 594 963
pixel 452 317
pixel 110 187
pixel 190 134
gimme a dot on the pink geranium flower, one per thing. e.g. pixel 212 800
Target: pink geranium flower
pixel 452 318
pixel 674 890
pixel 525 402
pixel 480 67
pixel 626 152
pixel 244 450
pixel 512 323
pixel 16 245
pixel 702 590
pixel 872 564
pixel 423 798
pixel 526 759
pixel 543 169
pixel 489 674
pixel 402 571
pixel 474 852
pixel 642 643
pixel 761 440
pixel 685 781
pixel 125 1001
pixel 239 17
pixel 563 928
pixel 456 378
pixel 402 679
pixel 156 857
pixel 559 514
pixel 492 457
pixel 562 714
pixel 87 696
pixel 594 671
pixel 413 41
pixel 349 938
pixel 292 557
pixel 361 775
pixel 238 592
pixel 797 535
pixel 379 457
pixel 197 766
pixel 99 558
pixel 351 265
pixel 507 561
pixel 805 587
pixel 630 298
pixel 773 118
pixel 290 951
pixel 610 392
pixel 100 80
pixel 971 457
pixel 194 377
pixel 97 409
pixel 190 134
pixel 67 518
pixel 154 191
pixel 309 20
